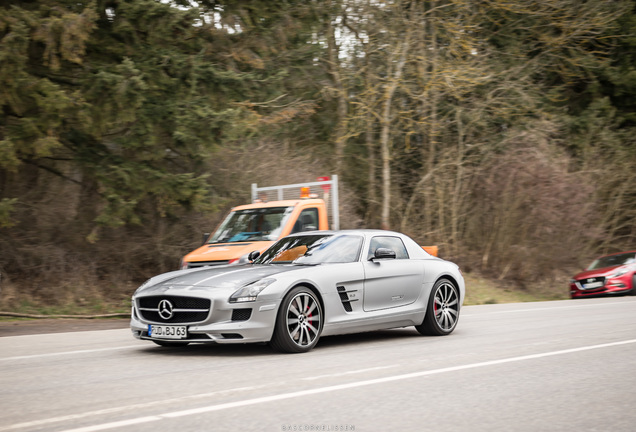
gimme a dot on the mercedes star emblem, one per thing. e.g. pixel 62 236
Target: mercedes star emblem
pixel 165 309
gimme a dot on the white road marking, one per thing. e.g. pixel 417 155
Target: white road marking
pixel 25 357
pixel 319 390
pixel 118 424
pixel 555 308
pixel 74 417
pixel 349 372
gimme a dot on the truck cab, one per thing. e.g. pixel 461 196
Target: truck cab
pixel 256 226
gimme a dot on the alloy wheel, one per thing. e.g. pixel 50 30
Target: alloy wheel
pixel 303 319
pixel 446 306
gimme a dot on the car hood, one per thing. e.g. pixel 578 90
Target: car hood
pixel 206 278
pixel 606 271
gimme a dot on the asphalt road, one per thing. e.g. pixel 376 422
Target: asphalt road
pixel 551 366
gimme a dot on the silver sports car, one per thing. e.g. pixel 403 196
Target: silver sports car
pixel 305 286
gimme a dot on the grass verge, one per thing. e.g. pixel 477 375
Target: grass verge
pixel 93 302
pixel 480 290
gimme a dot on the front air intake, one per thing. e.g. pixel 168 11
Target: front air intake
pixel 241 314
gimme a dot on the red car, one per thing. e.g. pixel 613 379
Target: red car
pixel 609 274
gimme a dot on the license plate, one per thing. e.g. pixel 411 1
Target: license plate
pixel 592 285
pixel 167 332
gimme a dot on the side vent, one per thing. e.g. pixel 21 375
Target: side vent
pixel 345 298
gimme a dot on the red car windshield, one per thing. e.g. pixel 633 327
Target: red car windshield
pixel 613 261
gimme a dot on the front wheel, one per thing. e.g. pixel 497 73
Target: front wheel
pixel 299 322
pixel 442 312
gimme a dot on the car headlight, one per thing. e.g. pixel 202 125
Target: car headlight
pixel 249 292
pixel 618 274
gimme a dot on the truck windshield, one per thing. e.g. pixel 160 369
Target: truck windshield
pixel 262 224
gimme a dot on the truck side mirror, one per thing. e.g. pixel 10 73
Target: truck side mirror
pixel 253 255
pixel 205 238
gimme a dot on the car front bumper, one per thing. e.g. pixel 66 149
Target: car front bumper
pixel 219 327
pixel 608 289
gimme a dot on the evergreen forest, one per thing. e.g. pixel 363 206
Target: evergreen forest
pixel 503 131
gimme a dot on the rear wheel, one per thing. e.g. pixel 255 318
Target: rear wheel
pixel 442 312
pixel 299 322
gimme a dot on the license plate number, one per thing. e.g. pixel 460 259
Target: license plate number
pixel 167 332
pixel 592 285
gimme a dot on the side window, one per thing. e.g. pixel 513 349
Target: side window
pixel 393 243
pixel 307 221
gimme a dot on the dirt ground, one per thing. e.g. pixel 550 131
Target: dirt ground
pixel 42 326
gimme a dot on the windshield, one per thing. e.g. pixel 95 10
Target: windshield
pixel 263 224
pixel 613 260
pixel 313 250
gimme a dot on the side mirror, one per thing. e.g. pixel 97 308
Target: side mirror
pixel 205 238
pixel 383 253
pixel 253 255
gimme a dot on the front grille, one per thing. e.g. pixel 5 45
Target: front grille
pixel 177 302
pixel 197 264
pixel 592 283
pixel 184 309
pixel 177 318
pixel 241 314
pixel 593 279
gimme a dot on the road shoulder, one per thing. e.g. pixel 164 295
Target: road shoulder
pixel 61 325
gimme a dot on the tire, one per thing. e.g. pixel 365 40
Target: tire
pixel 442 312
pixel 633 291
pixel 299 322
pixel 168 344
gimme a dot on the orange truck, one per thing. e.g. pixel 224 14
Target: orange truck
pixel 276 211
